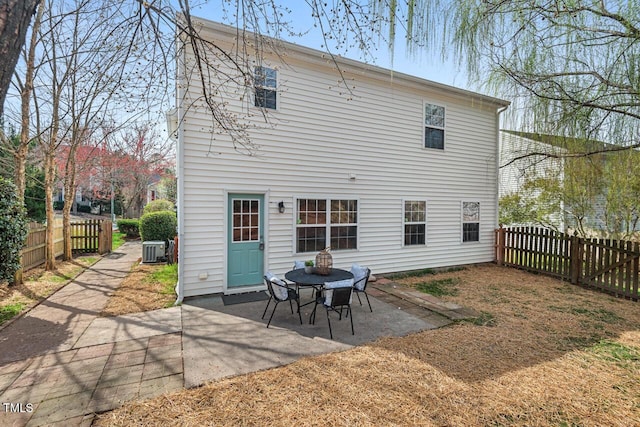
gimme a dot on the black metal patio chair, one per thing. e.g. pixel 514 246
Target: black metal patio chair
pixel 336 297
pixel 361 279
pixel 280 292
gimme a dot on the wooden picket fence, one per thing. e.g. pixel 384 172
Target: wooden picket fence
pixel 612 266
pixel 90 236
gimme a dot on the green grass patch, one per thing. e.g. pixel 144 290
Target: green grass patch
pixel 60 278
pixel 439 287
pixel 422 272
pixel 615 352
pixel 9 311
pixel 88 260
pixel 412 273
pixel 485 319
pixel 167 276
pixel 573 342
pixel 453 269
pixel 600 314
pixel 117 240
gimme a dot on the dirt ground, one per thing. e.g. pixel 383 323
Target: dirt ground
pixel 545 353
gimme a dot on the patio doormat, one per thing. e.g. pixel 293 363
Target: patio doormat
pixel 246 297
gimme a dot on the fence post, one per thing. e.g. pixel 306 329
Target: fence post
pixel 576 260
pixel 17 277
pixel 500 246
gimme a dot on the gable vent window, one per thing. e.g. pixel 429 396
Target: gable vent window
pixel 433 126
pixel 265 85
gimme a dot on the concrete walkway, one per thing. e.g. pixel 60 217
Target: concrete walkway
pixel 60 363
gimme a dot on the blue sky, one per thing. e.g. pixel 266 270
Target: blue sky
pixel 427 66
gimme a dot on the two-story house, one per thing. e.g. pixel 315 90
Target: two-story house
pixel 396 173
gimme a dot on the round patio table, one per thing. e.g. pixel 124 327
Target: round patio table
pixel 316 281
pixel 301 278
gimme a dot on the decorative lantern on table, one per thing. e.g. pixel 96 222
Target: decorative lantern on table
pixel 324 262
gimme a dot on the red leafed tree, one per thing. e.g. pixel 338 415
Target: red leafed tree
pixel 128 161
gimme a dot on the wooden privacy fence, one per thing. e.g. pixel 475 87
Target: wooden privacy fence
pixel 609 265
pixel 90 236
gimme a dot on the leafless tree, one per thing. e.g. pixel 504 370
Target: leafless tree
pixel 15 16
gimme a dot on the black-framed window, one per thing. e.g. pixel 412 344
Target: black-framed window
pixel 433 126
pixel 415 222
pixel 322 223
pixel 265 86
pixel 470 221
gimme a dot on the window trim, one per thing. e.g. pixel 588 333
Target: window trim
pixel 462 221
pixel 275 89
pixel 327 225
pixel 402 234
pixel 424 125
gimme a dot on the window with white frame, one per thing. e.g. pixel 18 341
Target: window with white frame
pixel 433 126
pixel 265 87
pixel 322 223
pixel 470 221
pixel 415 222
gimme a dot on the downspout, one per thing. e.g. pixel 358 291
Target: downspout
pixel 180 94
pixel 497 205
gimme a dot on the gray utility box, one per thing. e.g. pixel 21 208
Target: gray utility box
pixel 152 251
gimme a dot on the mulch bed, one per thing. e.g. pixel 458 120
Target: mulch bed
pixel 546 353
pixel 137 293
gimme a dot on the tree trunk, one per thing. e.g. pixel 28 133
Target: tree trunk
pixel 15 16
pixel 20 155
pixel 69 200
pixel 66 224
pixel 49 178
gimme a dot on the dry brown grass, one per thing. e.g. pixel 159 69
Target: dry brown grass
pixel 554 355
pixel 138 293
pixel 39 284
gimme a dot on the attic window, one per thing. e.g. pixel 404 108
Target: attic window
pixel 265 85
pixel 433 126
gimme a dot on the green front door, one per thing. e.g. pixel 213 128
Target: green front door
pixel 245 250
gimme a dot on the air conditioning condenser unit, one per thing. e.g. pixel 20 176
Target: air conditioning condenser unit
pixel 152 250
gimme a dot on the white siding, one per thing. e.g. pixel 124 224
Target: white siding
pixel 517 164
pixel 318 136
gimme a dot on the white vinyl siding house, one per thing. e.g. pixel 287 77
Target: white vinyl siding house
pixel 334 167
pixel 518 164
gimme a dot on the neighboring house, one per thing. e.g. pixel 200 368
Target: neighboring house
pixel 399 174
pixel 155 189
pixel 518 164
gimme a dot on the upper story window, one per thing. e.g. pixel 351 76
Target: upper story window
pixel 470 221
pixel 415 222
pixel 323 223
pixel 433 126
pixel 265 86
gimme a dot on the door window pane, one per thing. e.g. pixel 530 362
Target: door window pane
pixel 246 220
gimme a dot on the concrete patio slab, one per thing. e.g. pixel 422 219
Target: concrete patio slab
pixel 221 341
pixel 61 363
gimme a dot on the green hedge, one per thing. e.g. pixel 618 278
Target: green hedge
pixel 13 230
pixel 158 205
pixel 83 208
pixel 158 226
pixel 130 227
